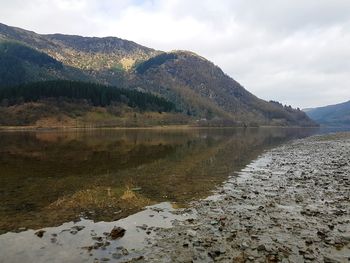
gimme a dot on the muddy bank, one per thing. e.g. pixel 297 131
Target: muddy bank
pixel 290 205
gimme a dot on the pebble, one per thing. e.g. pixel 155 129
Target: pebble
pixel 40 233
pixel 290 205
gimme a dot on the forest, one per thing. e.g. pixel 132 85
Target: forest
pixel 95 94
pixel 155 61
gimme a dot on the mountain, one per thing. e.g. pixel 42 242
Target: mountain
pixel 205 90
pixel 198 88
pixel 104 60
pixel 332 115
pixel 20 63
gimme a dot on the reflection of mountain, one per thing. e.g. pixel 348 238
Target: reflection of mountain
pixel 196 169
pixel 49 178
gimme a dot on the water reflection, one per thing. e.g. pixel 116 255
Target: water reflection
pixel 48 178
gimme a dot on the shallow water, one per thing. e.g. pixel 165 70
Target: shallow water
pixel 50 179
pixel 63 244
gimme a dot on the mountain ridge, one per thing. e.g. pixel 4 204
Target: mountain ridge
pixel 197 86
pixel 331 115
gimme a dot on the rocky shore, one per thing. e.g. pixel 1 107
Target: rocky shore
pixel 290 205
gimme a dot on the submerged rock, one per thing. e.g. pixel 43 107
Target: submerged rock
pixel 40 233
pixel 117 232
pixel 78 228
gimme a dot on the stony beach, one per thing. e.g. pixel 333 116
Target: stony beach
pixel 290 205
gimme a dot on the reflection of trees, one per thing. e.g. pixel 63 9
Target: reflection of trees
pixel 39 169
pixel 196 168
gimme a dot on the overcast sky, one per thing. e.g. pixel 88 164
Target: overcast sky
pixel 293 51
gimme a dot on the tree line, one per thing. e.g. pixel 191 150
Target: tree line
pixel 154 62
pixel 95 94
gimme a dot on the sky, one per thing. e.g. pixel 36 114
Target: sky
pixel 293 51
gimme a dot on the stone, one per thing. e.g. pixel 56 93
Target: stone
pixel 196 243
pixel 143 227
pixel 78 228
pixel 40 233
pixel 125 252
pixel 261 247
pixel 117 232
pixel 117 255
pixel 329 259
pixel 244 245
pixel 309 256
pixel 73 232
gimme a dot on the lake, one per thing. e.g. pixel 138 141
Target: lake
pixel 48 178
pixel 51 178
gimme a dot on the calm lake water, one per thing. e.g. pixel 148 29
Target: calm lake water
pixel 76 186
pixel 49 178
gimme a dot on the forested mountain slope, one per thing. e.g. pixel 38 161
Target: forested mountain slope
pixel 198 88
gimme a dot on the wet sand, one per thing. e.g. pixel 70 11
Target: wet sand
pixel 290 205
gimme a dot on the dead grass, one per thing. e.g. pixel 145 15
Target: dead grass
pixel 101 198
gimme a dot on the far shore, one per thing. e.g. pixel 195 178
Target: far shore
pixel 163 127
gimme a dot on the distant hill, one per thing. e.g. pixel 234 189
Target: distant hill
pixel 198 88
pixel 332 115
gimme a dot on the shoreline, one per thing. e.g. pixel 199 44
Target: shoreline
pixel 165 127
pixel 289 205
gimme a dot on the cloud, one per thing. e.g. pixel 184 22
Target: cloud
pixel 294 51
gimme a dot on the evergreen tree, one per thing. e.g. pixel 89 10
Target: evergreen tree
pixel 95 94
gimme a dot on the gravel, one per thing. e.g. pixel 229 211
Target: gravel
pixel 290 205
